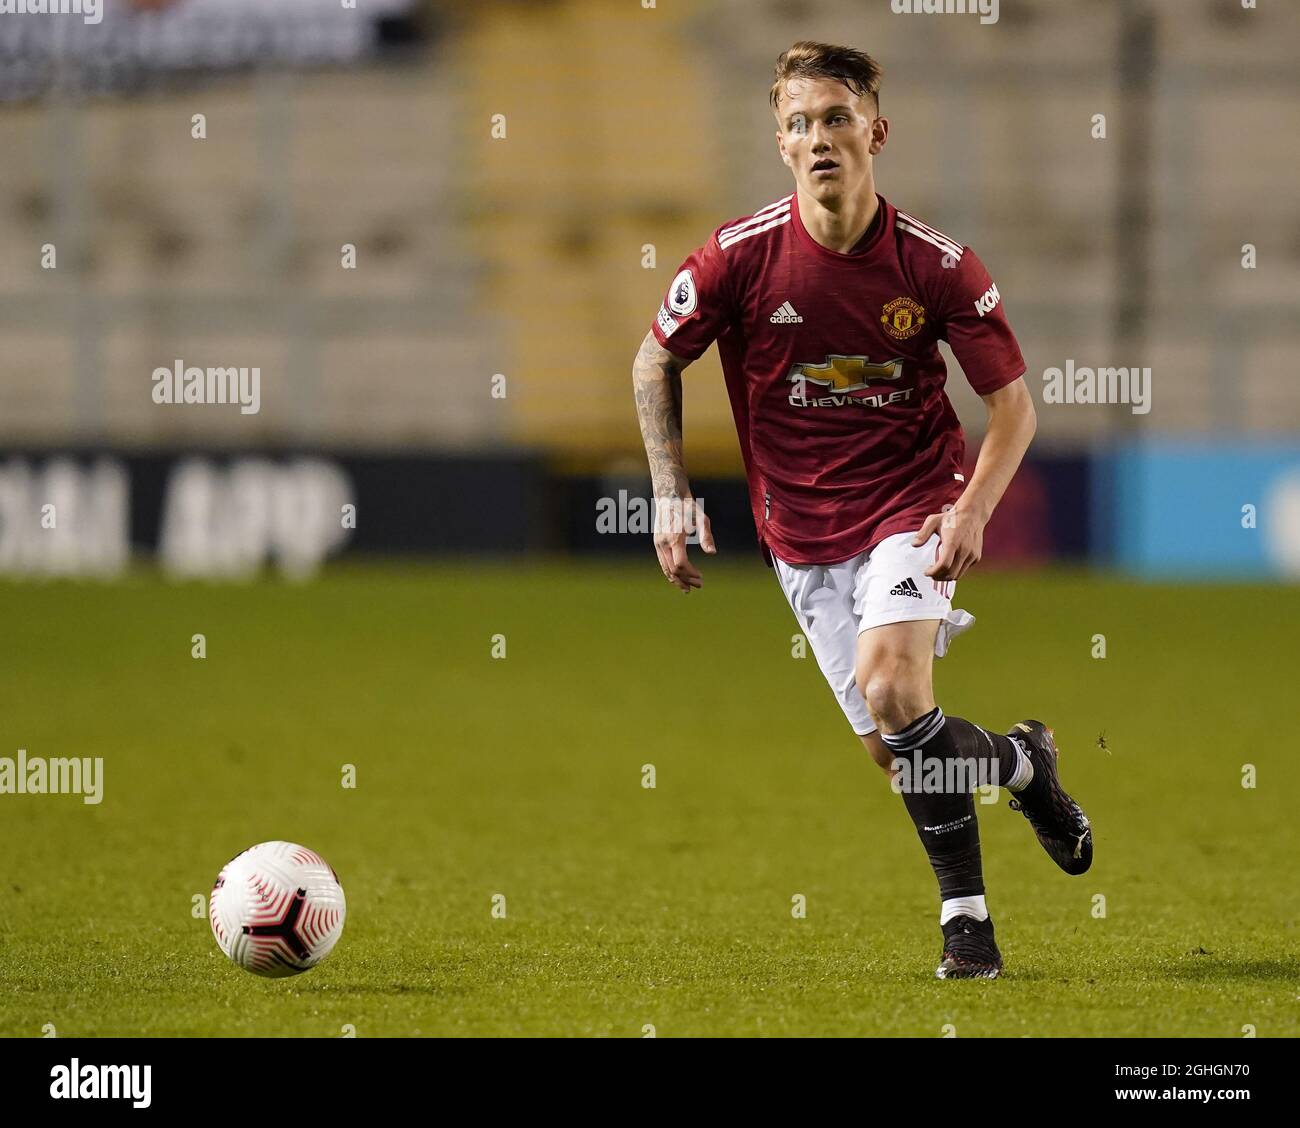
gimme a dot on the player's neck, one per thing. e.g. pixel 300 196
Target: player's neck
pixel 840 230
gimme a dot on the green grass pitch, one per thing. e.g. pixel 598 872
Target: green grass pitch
pixel 629 907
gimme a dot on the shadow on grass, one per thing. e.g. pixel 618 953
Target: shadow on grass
pixel 1211 969
pixel 430 989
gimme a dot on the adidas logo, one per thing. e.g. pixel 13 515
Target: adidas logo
pixel 785 315
pixel 906 587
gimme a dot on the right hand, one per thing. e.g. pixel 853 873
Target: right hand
pixel 675 520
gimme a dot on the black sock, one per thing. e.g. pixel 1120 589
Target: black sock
pixel 985 757
pixel 944 816
pixel 992 750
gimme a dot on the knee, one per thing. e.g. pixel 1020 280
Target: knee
pixel 884 697
pixel 894 696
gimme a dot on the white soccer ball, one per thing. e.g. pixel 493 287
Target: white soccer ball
pixel 277 909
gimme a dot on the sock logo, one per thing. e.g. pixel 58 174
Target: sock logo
pixel 948 827
pixel 906 587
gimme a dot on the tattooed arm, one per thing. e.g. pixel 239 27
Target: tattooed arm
pixel 657 381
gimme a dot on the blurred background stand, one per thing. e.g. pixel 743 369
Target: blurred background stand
pixel 439 231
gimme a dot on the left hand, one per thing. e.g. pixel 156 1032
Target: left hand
pixel 961 543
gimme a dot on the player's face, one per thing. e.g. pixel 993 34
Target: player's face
pixel 828 136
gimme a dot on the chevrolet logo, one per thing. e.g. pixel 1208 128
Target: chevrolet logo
pixel 846 373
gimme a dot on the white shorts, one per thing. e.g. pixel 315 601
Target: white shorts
pixel 835 603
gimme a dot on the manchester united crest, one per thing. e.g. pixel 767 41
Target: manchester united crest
pixel 902 318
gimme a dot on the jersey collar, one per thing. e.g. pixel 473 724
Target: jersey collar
pixel 872 240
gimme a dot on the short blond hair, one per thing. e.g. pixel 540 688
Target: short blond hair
pixel 808 59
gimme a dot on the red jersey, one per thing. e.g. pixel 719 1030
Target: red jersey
pixel 834 372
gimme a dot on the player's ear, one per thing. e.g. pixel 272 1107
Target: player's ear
pixel 780 144
pixel 879 134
